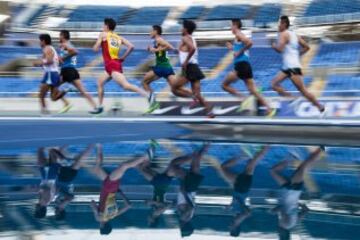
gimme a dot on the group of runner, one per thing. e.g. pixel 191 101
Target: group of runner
pixel 289 45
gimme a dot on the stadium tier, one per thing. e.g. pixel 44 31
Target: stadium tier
pixel 329 7
pixel 97 13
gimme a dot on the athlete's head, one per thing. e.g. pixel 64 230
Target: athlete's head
pixel 284 23
pixel 45 40
pixel 64 36
pixel 188 27
pixel 109 24
pixel 105 228
pixel 236 24
pixel 156 31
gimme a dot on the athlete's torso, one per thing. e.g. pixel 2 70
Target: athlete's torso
pixel 111 46
pixel 184 54
pixel 68 62
pixel 237 46
pixel 291 55
pixel 108 207
pixel 54 67
pixel 161 58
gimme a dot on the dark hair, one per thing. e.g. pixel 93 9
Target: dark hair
pixel 106 229
pixel 46 38
pixel 158 29
pixel 237 22
pixel 186 229
pixel 235 232
pixel 60 214
pixel 189 25
pixel 40 211
pixel 285 19
pixel 110 23
pixel 65 34
pixel 284 234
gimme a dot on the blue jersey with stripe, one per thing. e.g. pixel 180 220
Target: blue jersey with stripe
pixel 237 46
pixel 68 62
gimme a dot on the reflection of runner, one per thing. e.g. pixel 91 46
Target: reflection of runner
pixel 289 210
pixel 189 184
pixel 49 169
pixel 241 186
pixel 107 209
pixel 64 182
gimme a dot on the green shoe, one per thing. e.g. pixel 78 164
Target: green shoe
pixel 65 109
pixel 153 107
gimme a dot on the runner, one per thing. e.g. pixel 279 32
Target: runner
pixel 288 45
pixel 241 183
pixel 289 210
pixel 191 72
pixel 162 66
pixel 51 79
pixel 108 209
pixel 242 68
pixel 68 62
pixel 110 44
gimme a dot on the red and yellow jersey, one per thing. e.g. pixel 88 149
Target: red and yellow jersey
pixel 111 46
pixel 108 207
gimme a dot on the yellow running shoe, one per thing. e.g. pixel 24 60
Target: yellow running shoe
pixel 65 109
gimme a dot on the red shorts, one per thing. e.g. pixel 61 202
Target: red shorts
pixel 114 65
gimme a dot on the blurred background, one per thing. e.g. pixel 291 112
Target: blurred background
pixel 331 27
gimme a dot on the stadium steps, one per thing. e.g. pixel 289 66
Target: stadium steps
pixel 43 16
pixel 222 65
pixel 126 16
pixel 174 14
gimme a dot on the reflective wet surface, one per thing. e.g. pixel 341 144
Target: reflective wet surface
pixel 166 189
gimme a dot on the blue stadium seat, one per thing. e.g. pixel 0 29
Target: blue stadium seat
pixel 337 54
pixel 267 13
pixel 97 13
pixel 148 16
pixel 327 7
pixel 228 12
pixel 193 12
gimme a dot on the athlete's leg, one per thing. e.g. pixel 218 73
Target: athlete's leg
pixel 100 85
pixel 149 78
pixel 275 83
pixel 298 176
pixel 197 156
pixel 250 166
pixel 299 84
pixel 230 79
pixel 119 172
pixel 44 88
pixel 226 170
pixel 181 91
pixel 79 86
pixel 177 88
pixel 196 89
pixel 98 170
pixel 251 86
pixel 80 157
pixel 276 172
pixel 121 80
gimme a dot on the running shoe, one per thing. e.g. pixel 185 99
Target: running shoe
pixel 153 107
pixel 323 113
pixel 65 109
pixel 97 110
pixel 245 104
pixel 271 113
pixel 151 98
pixel 194 103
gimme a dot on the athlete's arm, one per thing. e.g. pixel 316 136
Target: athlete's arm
pixel 229 46
pixel 187 41
pixel 129 48
pixel 283 40
pixel 126 202
pixel 71 51
pixel 97 45
pixel 304 45
pixel 246 41
pixel 95 210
